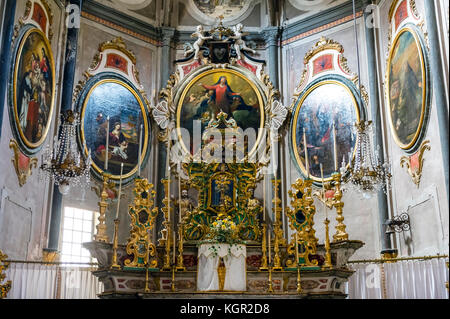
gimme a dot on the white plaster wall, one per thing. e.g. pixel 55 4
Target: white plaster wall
pixel 405 194
pixel 24 210
pixel 91 35
pixel 361 216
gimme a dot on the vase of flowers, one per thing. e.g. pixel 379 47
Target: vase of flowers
pixel 224 231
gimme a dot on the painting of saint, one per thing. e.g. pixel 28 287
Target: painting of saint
pixel 119 102
pixel 220 91
pixel 322 105
pixel 406 88
pixel 33 88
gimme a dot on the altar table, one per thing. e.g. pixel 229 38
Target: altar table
pixel 234 258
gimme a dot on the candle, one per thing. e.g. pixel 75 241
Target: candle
pixel 335 149
pixel 270 257
pixel 107 143
pixel 174 240
pixel 296 247
pixel 323 190
pixel 264 198
pixel 305 146
pixel 168 181
pixel 179 198
pixel 139 150
pixel 120 191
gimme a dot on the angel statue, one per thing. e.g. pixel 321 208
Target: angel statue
pixel 199 34
pixel 239 44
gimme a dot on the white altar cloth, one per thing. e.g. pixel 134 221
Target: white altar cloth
pixel 234 258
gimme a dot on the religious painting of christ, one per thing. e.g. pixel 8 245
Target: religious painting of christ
pixel 220 90
pixel 321 105
pixel 118 101
pixel 34 89
pixel 406 88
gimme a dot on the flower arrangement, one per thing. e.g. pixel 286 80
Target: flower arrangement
pixel 224 231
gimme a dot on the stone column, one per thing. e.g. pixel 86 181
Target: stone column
pixel 66 104
pixel 165 67
pixel 375 108
pixel 438 80
pixel 5 55
pixel 271 37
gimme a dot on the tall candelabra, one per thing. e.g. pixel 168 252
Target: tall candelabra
pixel 115 265
pixel 341 234
pixel 327 264
pixel 180 261
pixel 101 235
pixel 168 225
pixel 264 266
pixel 278 231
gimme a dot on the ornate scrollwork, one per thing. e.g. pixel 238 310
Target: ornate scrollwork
pixel 143 216
pixel 414 163
pixel 321 45
pixel 23 165
pixel 301 220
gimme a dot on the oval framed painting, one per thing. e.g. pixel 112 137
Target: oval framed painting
pixel 215 90
pixel 110 95
pixel 407 88
pixel 33 89
pixel 327 100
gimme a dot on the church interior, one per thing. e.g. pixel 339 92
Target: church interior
pixel 255 149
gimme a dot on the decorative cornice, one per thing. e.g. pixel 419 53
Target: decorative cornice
pixel 117 20
pixel 294 32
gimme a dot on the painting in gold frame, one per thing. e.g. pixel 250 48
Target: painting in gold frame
pixel 406 88
pixel 328 100
pixel 33 89
pixel 217 90
pixel 113 96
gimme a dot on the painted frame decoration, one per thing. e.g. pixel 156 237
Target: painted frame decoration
pixel 32 78
pixel 326 82
pixel 407 69
pixel 112 88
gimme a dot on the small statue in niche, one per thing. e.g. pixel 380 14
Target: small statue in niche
pixel 253 204
pixel 201 38
pixel 186 204
pixel 239 43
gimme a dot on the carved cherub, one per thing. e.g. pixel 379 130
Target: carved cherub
pixel 239 44
pixel 199 34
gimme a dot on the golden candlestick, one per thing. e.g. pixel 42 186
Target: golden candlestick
pixel 173 279
pixel 327 264
pixel 278 231
pixel 270 290
pixel 101 235
pixel 341 234
pixel 147 288
pixel 180 261
pixel 115 265
pixel 299 283
pixel 168 225
pixel 264 250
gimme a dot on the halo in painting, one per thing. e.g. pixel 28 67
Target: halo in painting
pixel 218 90
pixel 406 88
pixel 114 98
pixel 33 89
pixel 322 104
